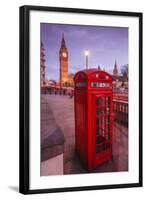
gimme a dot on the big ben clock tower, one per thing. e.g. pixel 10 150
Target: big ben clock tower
pixel 63 58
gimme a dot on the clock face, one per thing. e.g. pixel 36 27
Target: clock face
pixel 64 55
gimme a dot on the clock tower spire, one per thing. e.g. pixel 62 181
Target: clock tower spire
pixel 63 45
pixel 63 59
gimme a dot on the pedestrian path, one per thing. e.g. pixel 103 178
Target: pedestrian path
pixel 62 108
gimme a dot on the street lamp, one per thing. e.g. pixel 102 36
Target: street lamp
pixel 86 56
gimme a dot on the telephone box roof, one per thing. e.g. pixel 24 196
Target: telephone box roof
pixel 93 73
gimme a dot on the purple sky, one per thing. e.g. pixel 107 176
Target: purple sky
pixel 104 43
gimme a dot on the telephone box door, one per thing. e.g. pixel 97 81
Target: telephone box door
pixel 102 123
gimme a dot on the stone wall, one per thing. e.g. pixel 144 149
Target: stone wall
pixel 52 142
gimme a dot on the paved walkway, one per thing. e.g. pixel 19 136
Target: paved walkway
pixel 63 110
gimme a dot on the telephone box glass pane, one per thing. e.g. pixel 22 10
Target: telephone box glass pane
pixel 102 123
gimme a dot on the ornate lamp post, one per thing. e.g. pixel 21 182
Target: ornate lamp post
pixel 86 57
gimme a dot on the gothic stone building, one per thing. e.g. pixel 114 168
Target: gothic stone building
pixel 63 59
pixel 42 63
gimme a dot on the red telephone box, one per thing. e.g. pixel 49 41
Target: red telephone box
pixel 93 116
